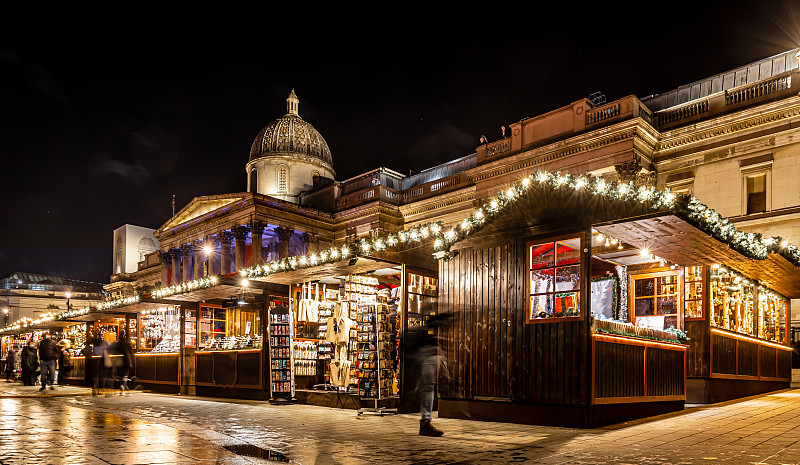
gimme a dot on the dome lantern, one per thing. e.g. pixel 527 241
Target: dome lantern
pixel 286 156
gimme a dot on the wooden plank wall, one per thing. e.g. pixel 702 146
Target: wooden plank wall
pixel 489 349
pixel 697 355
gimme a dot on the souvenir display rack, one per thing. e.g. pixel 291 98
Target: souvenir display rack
pixel 373 359
pixel 280 353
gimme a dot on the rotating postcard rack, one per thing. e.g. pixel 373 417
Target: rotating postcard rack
pixel 374 365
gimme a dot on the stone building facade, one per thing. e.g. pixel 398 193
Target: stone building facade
pixel 731 140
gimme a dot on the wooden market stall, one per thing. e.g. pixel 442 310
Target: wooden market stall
pixel 570 308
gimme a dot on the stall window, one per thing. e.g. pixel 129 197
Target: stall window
pixel 555 279
pixel 732 301
pixel 693 292
pixel 771 314
pixel 159 330
pixel 230 328
pixel 655 300
pixel 421 297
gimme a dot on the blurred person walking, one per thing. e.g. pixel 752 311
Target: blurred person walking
pixel 64 361
pixel 48 355
pixel 424 364
pixel 29 362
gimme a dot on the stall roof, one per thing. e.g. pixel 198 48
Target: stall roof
pixel 676 227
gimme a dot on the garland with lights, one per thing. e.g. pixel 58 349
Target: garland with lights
pixel 363 246
pixel 751 245
pixel 201 283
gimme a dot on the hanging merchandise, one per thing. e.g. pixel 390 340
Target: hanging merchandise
pixel 338 334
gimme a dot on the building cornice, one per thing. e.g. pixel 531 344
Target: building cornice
pixel 632 129
pixel 714 132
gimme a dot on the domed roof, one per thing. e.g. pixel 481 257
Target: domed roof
pixel 291 135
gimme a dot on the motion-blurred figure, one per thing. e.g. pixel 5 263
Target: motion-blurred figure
pixel 64 361
pixel 423 363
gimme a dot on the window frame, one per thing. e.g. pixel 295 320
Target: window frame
pixel 278 188
pixel 582 283
pixel 754 170
pixel 679 285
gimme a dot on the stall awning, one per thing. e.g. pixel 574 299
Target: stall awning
pixel 676 227
pixel 678 241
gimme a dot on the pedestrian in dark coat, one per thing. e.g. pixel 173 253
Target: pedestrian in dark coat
pixel 48 355
pixel 9 366
pixel 29 362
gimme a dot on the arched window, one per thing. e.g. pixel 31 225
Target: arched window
pixel 254 181
pixel 283 179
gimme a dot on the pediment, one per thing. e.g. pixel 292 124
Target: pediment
pixel 199 207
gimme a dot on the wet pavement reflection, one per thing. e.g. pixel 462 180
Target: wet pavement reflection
pixel 160 429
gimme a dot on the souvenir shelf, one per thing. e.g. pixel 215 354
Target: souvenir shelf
pixel 305 358
pixel 373 352
pixel 280 353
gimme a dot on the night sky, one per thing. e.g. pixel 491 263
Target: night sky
pixel 101 129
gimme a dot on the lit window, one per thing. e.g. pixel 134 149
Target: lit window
pixel 283 179
pixel 555 279
pixel 655 300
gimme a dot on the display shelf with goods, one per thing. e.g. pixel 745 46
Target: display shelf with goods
pixel 76 335
pixel 373 357
pixel 732 300
pixel 771 315
pixel 305 358
pixel 280 353
pixel 233 328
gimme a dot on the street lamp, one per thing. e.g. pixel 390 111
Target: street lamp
pixel 208 251
pixel 68 295
pixel 5 316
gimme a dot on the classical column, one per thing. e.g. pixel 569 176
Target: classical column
pixel 284 234
pixel 176 265
pixel 311 242
pixel 166 262
pixel 213 258
pixel 240 233
pixel 256 230
pixel 225 238
pixel 186 267
pixel 199 265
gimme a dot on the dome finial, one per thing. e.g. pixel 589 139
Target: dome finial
pixel 292 102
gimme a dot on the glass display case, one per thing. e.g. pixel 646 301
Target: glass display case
pixel 554 280
pixel 693 292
